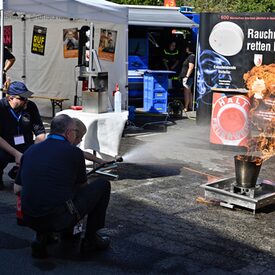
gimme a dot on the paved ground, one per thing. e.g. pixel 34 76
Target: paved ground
pixel 157 227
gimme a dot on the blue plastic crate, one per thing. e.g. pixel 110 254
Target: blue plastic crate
pixel 155 106
pixel 156 94
pixel 154 81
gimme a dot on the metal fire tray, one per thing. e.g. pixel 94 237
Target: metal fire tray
pixel 222 191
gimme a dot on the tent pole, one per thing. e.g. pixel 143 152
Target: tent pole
pixel 24 48
pixel 1 47
pixel 195 74
pixel 91 57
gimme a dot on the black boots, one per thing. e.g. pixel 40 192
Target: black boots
pixel 97 243
pixel 39 246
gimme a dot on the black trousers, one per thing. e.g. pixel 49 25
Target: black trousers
pixel 6 158
pixel 92 199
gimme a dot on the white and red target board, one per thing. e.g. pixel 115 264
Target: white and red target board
pixel 230 123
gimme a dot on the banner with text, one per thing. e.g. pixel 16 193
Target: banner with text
pixel 8 37
pixel 38 40
pixel 232 44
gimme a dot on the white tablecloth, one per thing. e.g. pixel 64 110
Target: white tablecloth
pixel 104 130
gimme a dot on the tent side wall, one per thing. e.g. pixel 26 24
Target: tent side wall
pixel 54 75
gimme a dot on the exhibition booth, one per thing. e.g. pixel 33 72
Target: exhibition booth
pixel 46 64
pixel 47 60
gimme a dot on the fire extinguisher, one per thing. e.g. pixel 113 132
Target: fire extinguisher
pixel 19 213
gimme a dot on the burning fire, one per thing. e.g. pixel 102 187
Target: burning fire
pixel 251 159
pixel 260 82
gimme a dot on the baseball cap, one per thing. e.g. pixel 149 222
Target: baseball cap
pixel 19 88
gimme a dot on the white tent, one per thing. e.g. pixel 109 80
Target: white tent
pixel 95 10
pixel 158 16
pixel 52 74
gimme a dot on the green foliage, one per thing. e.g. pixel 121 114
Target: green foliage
pixel 256 6
pixel 212 5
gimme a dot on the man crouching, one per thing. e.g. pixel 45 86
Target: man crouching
pixel 55 194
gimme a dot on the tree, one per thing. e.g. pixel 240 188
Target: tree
pixel 256 6
pixel 213 5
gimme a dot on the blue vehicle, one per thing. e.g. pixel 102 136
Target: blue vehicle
pixel 150 30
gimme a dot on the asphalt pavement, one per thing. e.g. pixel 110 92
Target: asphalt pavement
pixel 154 218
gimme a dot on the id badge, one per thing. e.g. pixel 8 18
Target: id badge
pixel 19 139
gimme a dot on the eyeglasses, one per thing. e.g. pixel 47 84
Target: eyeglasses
pixel 21 98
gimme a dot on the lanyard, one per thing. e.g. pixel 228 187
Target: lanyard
pixel 17 117
pixel 56 137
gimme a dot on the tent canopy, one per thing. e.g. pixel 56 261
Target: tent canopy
pixel 95 10
pixel 158 17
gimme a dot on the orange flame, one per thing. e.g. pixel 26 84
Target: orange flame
pixel 260 82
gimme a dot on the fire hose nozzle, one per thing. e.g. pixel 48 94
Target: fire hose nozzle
pixel 119 159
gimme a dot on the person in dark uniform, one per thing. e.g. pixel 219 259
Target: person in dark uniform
pixel 171 61
pixel 8 61
pixel 170 57
pixel 55 193
pixel 187 76
pixel 19 121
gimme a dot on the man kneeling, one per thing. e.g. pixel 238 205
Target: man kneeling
pixel 55 193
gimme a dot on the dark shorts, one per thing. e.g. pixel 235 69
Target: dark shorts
pixel 190 82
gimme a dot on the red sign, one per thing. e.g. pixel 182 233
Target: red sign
pixel 169 3
pixel 8 37
pixel 230 119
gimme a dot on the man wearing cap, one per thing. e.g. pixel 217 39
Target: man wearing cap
pixel 19 122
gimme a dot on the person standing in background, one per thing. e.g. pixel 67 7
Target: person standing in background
pixel 187 76
pixel 171 61
pixel 8 61
pixel 170 58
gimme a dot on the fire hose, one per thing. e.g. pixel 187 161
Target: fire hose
pixel 105 165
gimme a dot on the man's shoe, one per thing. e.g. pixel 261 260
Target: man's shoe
pixel 98 243
pixel 39 248
pixel 52 238
pixel 102 242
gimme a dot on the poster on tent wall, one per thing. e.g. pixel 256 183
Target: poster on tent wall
pixel 107 45
pixel 70 43
pixel 8 37
pixel 231 45
pixel 38 40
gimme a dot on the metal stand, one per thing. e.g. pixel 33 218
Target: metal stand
pixel 226 192
pixel 103 171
